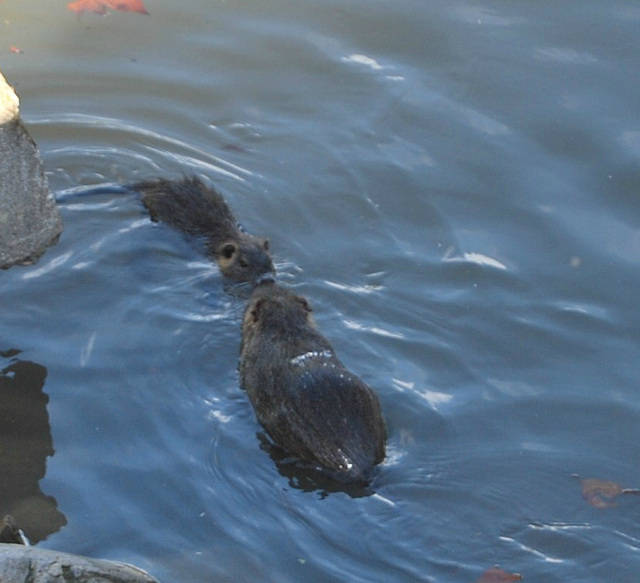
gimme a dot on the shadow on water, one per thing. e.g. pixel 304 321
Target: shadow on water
pixel 25 435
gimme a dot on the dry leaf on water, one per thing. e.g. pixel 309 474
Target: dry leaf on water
pixel 495 575
pixel 101 6
pixel 601 493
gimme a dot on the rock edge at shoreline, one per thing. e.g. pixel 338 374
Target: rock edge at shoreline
pixel 29 218
pixel 21 564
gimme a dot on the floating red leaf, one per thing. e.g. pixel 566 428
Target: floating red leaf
pixel 16 50
pixel 88 6
pixel 601 493
pixel 101 6
pixel 495 575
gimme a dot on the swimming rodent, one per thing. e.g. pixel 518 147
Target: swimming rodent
pixel 308 402
pixel 198 210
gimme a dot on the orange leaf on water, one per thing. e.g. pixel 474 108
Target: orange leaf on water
pixel 16 50
pixel 128 6
pixel 600 493
pixel 88 6
pixel 101 6
pixel 495 575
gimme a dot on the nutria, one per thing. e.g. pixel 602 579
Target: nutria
pixel 304 397
pixel 198 210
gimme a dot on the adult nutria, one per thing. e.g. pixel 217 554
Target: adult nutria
pixel 198 210
pixel 308 402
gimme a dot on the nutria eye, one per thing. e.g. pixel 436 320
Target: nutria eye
pixel 228 250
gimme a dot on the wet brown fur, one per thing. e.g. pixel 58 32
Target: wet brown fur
pixel 308 402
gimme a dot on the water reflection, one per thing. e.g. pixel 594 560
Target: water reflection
pixel 307 478
pixel 25 443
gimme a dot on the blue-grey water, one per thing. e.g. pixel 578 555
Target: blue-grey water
pixel 454 185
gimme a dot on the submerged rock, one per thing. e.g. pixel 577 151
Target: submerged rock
pixel 29 219
pixel 21 564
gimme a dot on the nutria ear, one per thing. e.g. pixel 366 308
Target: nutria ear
pixel 228 250
pixel 266 244
pixel 255 309
pixel 305 304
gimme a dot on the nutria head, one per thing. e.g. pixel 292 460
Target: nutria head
pixel 273 308
pixel 245 259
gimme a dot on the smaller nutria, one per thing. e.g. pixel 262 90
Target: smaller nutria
pixel 193 208
pixel 308 402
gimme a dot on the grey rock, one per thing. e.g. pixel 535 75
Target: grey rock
pixel 29 219
pixel 20 564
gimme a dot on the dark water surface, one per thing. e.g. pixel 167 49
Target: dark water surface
pixel 455 187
